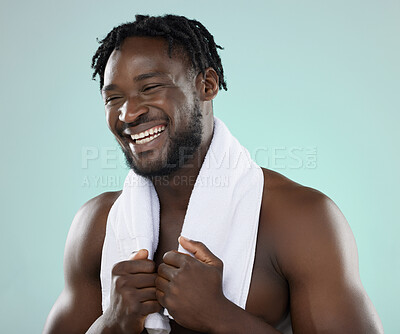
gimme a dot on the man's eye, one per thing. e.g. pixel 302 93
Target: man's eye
pixel 109 99
pixel 148 88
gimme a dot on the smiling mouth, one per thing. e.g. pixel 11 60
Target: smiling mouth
pixel 148 135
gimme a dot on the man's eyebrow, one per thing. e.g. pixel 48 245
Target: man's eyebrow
pixel 149 75
pixel 108 87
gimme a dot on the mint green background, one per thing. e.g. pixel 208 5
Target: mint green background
pixel 303 74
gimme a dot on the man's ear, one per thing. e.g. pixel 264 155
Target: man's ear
pixel 207 84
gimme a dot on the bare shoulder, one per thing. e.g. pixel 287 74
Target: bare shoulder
pixel 300 221
pixel 87 232
pixel 278 187
pixel 284 200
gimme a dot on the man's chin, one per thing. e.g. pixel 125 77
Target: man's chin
pixel 153 171
pixel 149 168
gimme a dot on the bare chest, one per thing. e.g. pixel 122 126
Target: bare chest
pixel 170 230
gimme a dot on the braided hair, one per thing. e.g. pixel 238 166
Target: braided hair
pixel 179 31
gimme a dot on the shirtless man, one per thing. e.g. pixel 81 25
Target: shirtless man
pixel 305 277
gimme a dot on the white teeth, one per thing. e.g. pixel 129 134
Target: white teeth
pixel 146 140
pixel 153 132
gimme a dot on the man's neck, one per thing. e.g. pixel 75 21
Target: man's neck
pixel 174 190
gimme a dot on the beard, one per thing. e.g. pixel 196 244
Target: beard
pixel 182 145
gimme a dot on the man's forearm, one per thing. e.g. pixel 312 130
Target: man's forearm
pixel 235 320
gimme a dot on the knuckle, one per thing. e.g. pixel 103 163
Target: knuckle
pixel 157 281
pixel 186 262
pixel 159 269
pixel 160 297
pixel 145 294
pixel 118 268
pixel 152 279
pixel 159 294
pixel 174 275
pixel 119 282
pixel 173 290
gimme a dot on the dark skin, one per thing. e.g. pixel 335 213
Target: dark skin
pixel 304 244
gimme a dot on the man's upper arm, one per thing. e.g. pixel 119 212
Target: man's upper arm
pixel 79 304
pixel 320 261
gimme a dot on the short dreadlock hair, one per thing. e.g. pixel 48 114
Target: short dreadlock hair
pixel 178 31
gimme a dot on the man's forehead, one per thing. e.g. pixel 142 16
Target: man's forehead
pixel 144 44
pixel 152 48
pixel 145 56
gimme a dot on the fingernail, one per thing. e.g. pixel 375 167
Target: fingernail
pixel 184 238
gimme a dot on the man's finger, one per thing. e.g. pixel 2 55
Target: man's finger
pixel 161 298
pixel 150 306
pixel 200 251
pixel 162 284
pixel 146 294
pixel 141 254
pixel 175 258
pixel 140 281
pixel 134 267
pixel 166 271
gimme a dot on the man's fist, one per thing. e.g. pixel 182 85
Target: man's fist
pixel 133 294
pixel 191 287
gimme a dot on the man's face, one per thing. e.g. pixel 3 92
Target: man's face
pixel 151 106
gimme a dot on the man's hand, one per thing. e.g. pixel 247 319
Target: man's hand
pixel 133 294
pixel 191 288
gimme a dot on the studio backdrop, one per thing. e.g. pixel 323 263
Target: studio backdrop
pixel 313 93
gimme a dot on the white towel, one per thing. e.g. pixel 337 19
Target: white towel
pixel 223 213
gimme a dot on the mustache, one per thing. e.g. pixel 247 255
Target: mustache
pixel 145 118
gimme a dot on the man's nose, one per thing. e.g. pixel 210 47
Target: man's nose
pixel 131 110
